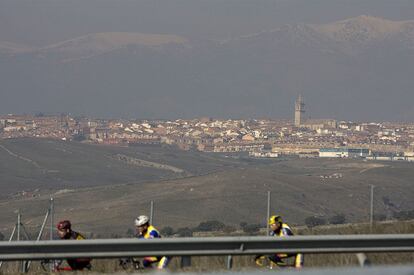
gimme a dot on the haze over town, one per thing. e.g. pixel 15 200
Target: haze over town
pixel 228 59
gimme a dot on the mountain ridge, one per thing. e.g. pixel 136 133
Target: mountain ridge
pixel 357 30
pixel 250 76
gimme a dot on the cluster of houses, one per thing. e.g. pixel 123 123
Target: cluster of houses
pixel 258 137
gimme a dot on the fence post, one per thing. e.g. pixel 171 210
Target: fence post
pixel 51 212
pixel 18 225
pixel 39 236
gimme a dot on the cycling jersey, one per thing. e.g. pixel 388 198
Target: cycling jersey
pixel 284 231
pixel 80 263
pixel 152 233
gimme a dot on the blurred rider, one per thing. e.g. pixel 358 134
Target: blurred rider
pixel 147 231
pixel 280 229
pixel 65 232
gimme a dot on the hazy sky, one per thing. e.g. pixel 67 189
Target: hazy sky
pixel 41 22
pixel 211 82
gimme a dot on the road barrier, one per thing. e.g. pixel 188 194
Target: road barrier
pixel 118 248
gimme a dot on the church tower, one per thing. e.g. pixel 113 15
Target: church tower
pixel 299 111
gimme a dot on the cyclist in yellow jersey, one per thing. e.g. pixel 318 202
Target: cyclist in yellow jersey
pixel 280 229
pixel 147 231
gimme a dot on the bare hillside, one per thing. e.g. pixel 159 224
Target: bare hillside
pixel 300 188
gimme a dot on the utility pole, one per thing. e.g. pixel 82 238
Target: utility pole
pixel 371 214
pixel 268 212
pixel 152 213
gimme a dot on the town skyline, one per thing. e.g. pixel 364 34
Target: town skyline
pixel 258 137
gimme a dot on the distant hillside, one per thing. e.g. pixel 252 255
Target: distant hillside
pixel 300 189
pixel 30 164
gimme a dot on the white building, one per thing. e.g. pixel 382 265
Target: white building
pixel 343 153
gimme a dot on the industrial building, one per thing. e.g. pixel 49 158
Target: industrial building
pixel 344 153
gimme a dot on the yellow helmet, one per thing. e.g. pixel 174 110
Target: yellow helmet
pixel 275 219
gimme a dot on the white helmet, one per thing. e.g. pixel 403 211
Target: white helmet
pixel 141 220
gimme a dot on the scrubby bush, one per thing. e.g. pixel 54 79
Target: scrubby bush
pixel 184 232
pixel 314 221
pixel 380 217
pixel 130 233
pixel 404 215
pixel 243 225
pixel 337 219
pixel 251 229
pixel 229 229
pixel 115 236
pixel 210 226
pixel 167 231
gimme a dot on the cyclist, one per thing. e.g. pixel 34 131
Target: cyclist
pixel 65 232
pixel 147 231
pixel 280 229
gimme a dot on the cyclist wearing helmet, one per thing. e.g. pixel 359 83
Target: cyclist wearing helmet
pixel 65 232
pixel 147 231
pixel 280 229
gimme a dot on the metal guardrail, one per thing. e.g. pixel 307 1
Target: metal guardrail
pixel 117 248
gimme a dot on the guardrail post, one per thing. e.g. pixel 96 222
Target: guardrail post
pixel 363 260
pixel 185 261
pixel 229 262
